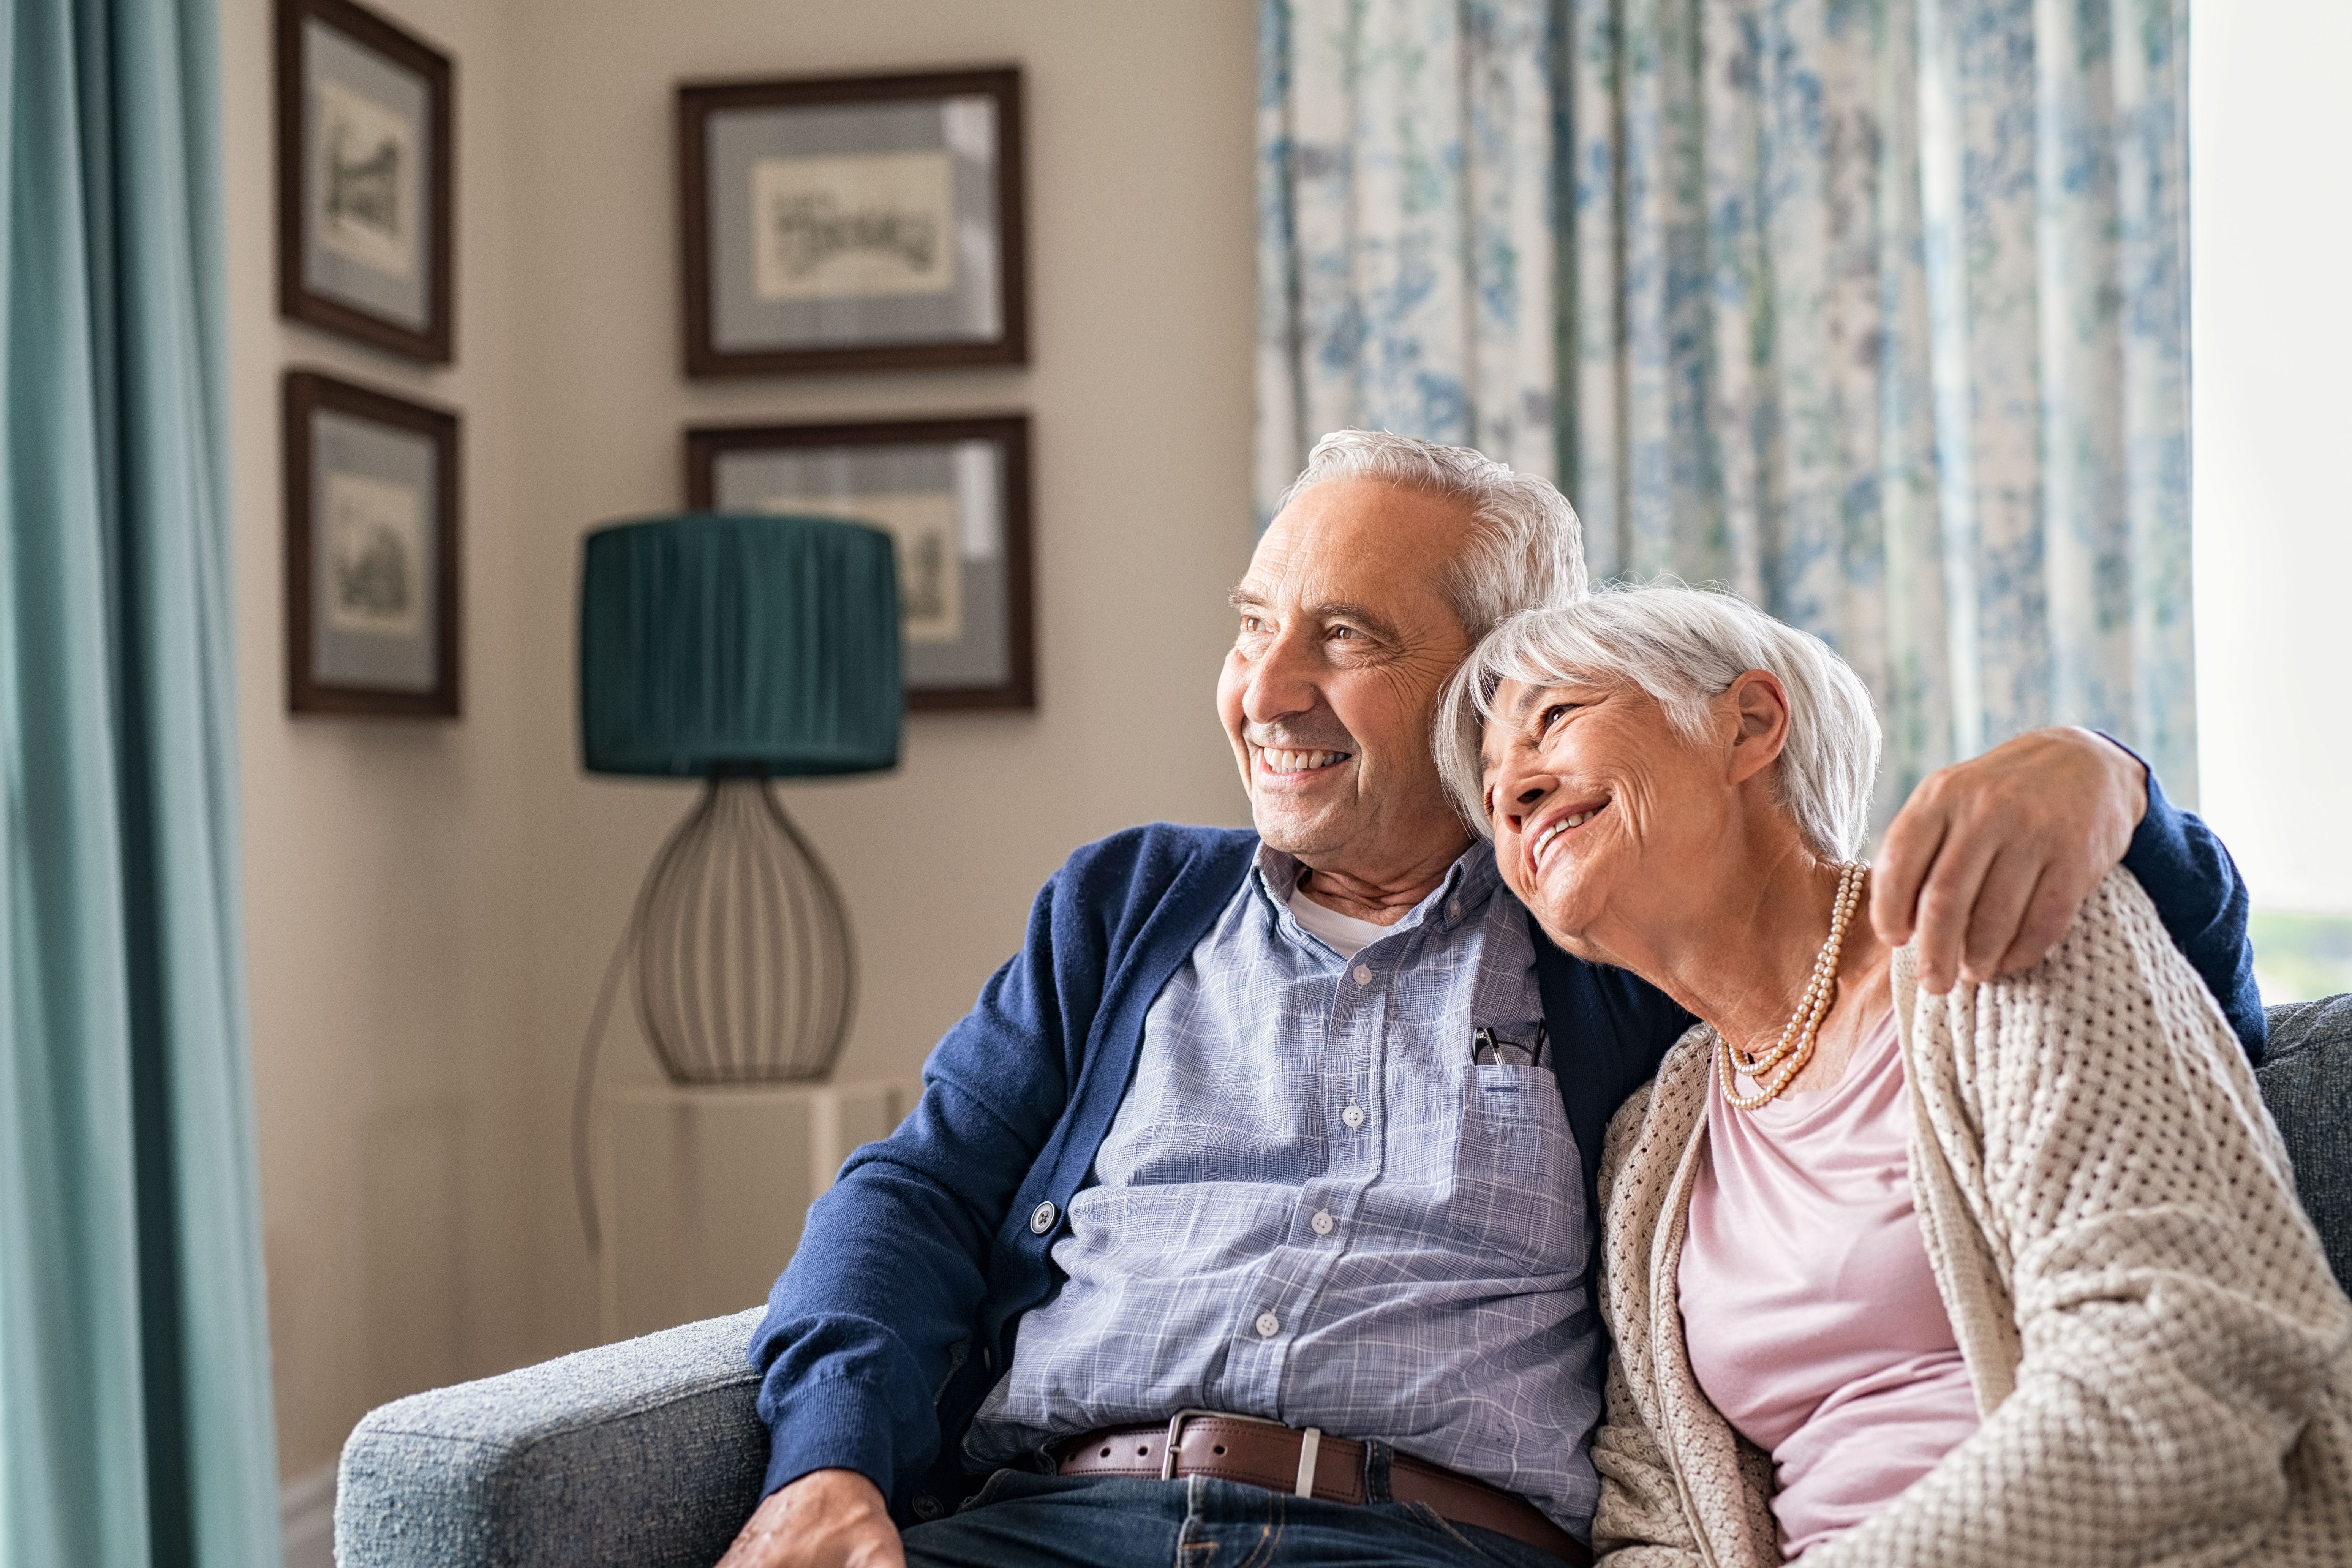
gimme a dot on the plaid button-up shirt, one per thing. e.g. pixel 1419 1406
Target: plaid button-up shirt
pixel 1315 1207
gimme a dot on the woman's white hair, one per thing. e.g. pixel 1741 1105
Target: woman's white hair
pixel 1685 647
pixel 1528 550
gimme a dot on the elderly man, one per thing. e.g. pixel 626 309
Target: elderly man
pixel 1248 1219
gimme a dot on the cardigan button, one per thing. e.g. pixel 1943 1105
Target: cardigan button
pixel 1041 1218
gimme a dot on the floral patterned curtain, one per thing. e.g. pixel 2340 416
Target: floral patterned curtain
pixel 1876 310
pixel 1405 227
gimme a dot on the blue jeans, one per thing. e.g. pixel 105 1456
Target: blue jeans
pixel 1024 1520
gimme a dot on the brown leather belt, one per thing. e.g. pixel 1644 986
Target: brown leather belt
pixel 1307 1464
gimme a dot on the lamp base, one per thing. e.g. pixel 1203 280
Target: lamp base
pixel 744 971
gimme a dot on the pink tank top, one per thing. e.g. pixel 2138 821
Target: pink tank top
pixel 1812 1316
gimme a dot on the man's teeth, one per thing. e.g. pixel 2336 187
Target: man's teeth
pixel 1288 762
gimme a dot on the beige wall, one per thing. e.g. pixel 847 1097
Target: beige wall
pixel 384 879
pixel 430 908
pixel 1140 123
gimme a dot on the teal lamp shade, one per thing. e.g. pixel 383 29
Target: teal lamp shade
pixel 739 644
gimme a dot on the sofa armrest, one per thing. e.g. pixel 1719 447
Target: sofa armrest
pixel 647 1454
pixel 2306 1078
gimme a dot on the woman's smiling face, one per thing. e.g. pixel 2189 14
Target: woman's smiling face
pixel 1600 806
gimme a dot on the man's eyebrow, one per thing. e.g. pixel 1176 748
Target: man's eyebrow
pixel 1245 598
pixel 1379 626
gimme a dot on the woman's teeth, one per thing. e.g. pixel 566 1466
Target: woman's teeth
pixel 1287 761
pixel 1562 825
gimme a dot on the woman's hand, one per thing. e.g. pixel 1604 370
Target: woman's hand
pixel 827 1519
pixel 1990 859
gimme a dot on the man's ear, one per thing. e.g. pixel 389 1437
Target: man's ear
pixel 1757 702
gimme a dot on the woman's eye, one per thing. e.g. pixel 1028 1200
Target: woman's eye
pixel 1553 715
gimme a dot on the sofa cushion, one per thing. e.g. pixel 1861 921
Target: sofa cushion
pixel 2306 1080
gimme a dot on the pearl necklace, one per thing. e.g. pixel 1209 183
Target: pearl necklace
pixel 1796 1044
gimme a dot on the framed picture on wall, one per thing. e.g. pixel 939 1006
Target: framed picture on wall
pixel 373 543
pixel 952 493
pixel 364 161
pixel 852 223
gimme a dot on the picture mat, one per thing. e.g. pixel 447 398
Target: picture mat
pixel 345 448
pixel 876 484
pixel 740 141
pixel 331 58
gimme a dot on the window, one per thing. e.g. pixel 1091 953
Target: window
pixel 2270 225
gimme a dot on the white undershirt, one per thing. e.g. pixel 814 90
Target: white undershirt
pixel 1346 933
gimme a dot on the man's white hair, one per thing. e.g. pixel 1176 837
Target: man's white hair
pixel 1527 550
pixel 1685 647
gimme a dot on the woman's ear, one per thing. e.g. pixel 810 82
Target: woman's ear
pixel 1757 699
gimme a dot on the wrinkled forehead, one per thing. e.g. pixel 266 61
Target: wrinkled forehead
pixel 1361 541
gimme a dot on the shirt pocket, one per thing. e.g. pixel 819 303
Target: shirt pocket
pixel 1517 1188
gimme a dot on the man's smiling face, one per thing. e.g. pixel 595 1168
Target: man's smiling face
pixel 1345 641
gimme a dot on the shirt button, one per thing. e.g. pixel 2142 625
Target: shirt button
pixel 1353 1116
pixel 1269 1325
pixel 1454 907
pixel 1322 1221
pixel 1041 1218
pixel 928 1508
pixel 1363 975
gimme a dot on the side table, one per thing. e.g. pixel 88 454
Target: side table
pixel 707 1187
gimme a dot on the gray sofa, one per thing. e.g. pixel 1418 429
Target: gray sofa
pixel 649 1455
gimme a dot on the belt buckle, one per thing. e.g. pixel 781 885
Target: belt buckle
pixel 1176 1433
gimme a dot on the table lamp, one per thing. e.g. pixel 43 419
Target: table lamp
pixel 736 649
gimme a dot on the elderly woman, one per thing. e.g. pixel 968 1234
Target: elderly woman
pixel 2014 1275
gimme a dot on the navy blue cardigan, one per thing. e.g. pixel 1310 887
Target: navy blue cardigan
pixel 899 1308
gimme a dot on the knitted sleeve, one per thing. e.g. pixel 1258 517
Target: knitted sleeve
pixel 1642 1523
pixel 2178 1393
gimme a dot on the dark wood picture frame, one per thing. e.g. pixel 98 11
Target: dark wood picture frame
pixel 434 344
pixel 705 444
pixel 306 393
pixel 696 103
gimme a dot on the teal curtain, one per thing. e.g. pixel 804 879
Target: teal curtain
pixel 134 1388
pixel 1876 310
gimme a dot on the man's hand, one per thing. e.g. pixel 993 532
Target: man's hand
pixel 1989 859
pixel 827 1519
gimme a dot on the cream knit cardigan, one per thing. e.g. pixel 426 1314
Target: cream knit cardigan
pixel 2158 1349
